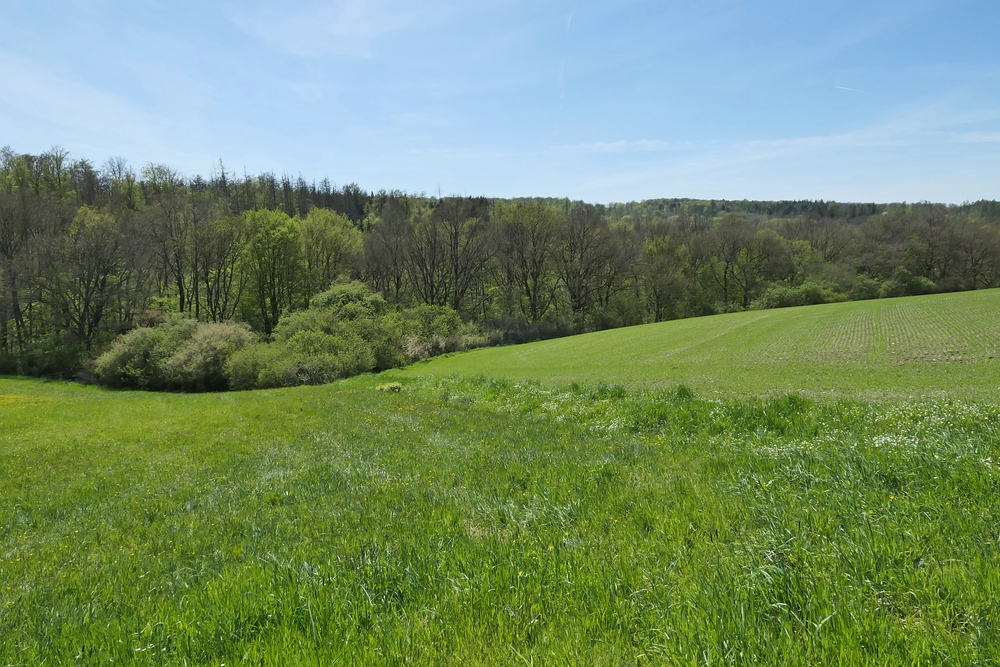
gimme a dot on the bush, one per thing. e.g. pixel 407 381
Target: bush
pixel 309 357
pixel 356 293
pixel 56 355
pixel 177 354
pixel 259 365
pixel 864 288
pixel 904 283
pixel 324 358
pixel 199 363
pixel 807 294
pixel 434 330
pixel 134 360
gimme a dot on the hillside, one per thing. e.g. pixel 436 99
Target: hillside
pixel 903 346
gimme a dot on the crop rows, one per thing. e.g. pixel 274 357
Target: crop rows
pixel 874 346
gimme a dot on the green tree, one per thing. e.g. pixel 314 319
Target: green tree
pixel 662 276
pixel 332 248
pixel 273 263
pixel 86 271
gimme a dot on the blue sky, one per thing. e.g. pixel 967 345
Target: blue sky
pixel 881 100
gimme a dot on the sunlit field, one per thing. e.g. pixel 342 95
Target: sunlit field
pixel 948 344
pixel 447 520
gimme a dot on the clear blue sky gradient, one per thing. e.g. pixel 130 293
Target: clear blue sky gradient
pixel 881 100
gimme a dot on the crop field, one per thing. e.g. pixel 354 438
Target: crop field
pixel 946 343
pixel 484 521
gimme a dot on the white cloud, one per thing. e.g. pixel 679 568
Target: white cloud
pixel 34 91
pixel 44 108
pixel 340 27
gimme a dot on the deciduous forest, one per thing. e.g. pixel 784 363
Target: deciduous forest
pixel 89 254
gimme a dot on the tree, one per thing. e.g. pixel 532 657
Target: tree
pixel 332 248
pixel 732 237
pixel 273 263
pixel 84 272
pixel 746 257
pixel 168 219
pixel 662 271
pixel 580 254
pixel 385 248
pixel 767 257
pixel 427 260
pixel 523 238
pixel 223 242
pixel 465 223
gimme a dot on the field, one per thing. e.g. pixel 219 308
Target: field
pixel 946 343
pixel 465 520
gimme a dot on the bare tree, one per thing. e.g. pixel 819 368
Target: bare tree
pixel 385 247
pixel 524 234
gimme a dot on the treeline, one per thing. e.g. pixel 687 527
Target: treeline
pixel 87 254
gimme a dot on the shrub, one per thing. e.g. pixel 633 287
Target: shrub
pixel 134 360
pixel 357 293
pixel 259 365
pixel 434 330
pixel 56 354
pixel 904 283
pixel 324 358
pixel 177 354
pixel 199 363
pixel 807 294
pixel 864 288
pixel 308 357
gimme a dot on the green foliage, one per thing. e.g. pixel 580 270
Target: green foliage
pixel 807 294
pixel 259 366
pixel 87 251
pixel 864 288
pixel 198 364
pixel 339 297
pixel 135 358
pixel 435 330
pixel 56 355
pixel 179 354
pixel 274 265
pixel 349 330
pixel 904 283
pixel 332 247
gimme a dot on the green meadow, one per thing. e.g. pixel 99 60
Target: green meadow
pixel 948 344
pixel 796 487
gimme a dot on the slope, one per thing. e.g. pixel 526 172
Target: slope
pixel 944 343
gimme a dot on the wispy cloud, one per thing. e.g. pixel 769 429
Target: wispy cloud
pixel 873 161
pixel 75 107
pixel 339 27
pixel 850 90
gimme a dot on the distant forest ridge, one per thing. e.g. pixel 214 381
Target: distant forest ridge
pixel 87 253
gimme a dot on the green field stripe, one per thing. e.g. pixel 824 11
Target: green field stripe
pixel 844 348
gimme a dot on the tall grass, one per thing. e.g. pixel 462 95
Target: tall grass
pixel 489 522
